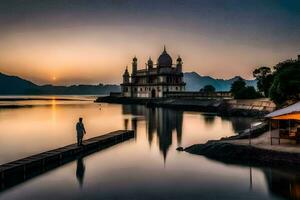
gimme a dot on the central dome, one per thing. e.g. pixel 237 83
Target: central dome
pixel 164 59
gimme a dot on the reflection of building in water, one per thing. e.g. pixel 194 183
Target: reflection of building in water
pixel 240 123
pixel 283 184
pixel 80 171
pixel 159 121
pixel 209 119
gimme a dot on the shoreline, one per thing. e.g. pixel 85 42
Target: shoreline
pixel 236 150
pixel 245 155
pixel 222 107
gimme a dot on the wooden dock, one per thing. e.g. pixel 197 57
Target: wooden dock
pixel 18 171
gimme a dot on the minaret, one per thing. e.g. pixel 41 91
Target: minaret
pixel 134 65
pixel 150 63
pixel 179 64
pixel 126 76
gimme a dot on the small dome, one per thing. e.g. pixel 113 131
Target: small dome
pixel 134 59
pixel 165 59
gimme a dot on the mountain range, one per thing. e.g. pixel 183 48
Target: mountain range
pixel 13 85
pixel 194 82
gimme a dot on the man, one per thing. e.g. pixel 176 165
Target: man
pixel 80 131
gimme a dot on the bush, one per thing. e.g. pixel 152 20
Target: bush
pixel 248 92
pixel 241 91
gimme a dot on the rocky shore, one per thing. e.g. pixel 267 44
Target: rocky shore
pixel 244 154
pixel 236 150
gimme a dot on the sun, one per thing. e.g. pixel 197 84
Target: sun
pixel 53 78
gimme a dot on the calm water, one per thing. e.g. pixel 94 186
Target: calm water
pixel 147 167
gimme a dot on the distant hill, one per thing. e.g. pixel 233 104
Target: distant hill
pixel 194 82
pixel 13 85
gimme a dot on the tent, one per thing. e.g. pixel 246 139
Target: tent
pixel 290 113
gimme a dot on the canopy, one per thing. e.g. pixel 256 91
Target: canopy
pixel 291 112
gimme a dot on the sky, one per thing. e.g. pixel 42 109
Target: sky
pixel 66 42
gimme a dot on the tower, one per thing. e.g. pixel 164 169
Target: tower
pixel 179 64
pixel 126 76
pixel 134 65
pixel 150 63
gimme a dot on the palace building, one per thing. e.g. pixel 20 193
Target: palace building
pixel 155 80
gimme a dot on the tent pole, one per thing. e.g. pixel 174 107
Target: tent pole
pixel 278 131
pixel 270 129
pixel 289 126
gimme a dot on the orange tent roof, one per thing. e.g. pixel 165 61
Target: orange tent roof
pixel 291 116
pixel 291 112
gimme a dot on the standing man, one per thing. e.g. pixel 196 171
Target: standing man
pixel 80 131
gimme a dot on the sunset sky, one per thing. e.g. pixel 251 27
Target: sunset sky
pixel 91 41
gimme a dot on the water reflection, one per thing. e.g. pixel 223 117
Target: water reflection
pixel 160 122
pixel 209 119
pixel 284 184
pixel 138 170
pixel 80 169
pixel 163 123
pixel 240 123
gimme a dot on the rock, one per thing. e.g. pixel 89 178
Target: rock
pixel 179 149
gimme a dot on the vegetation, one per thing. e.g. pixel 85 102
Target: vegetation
pixel 286 85
pixel 241 91
pixel 282 84
pixel 208 89
pixel 264 79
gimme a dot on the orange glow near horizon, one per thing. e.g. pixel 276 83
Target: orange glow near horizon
pixel 103 59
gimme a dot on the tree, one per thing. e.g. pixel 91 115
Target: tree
pixel 237 85
pixel 240 91
pixel 248 92
pixel 286 85
pixel 208 89
pixel 264 79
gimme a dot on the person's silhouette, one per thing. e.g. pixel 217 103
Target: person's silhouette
pixel 80 131
pixel 80 171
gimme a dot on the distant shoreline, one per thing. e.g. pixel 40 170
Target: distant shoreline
pixel 42 97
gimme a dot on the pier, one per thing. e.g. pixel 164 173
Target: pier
pixel 18 171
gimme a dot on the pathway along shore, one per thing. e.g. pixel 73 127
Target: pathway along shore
pixel 237 150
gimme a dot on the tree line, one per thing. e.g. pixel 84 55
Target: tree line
pixel 281 84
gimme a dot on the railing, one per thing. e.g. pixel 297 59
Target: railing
pixel 199 94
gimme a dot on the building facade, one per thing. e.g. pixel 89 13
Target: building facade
pixel 155 80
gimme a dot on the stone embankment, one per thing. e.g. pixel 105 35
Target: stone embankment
pixel 225 107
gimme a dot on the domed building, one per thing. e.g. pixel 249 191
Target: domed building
pixel 155 80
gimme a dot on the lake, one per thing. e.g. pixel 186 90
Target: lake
pixel 146 167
